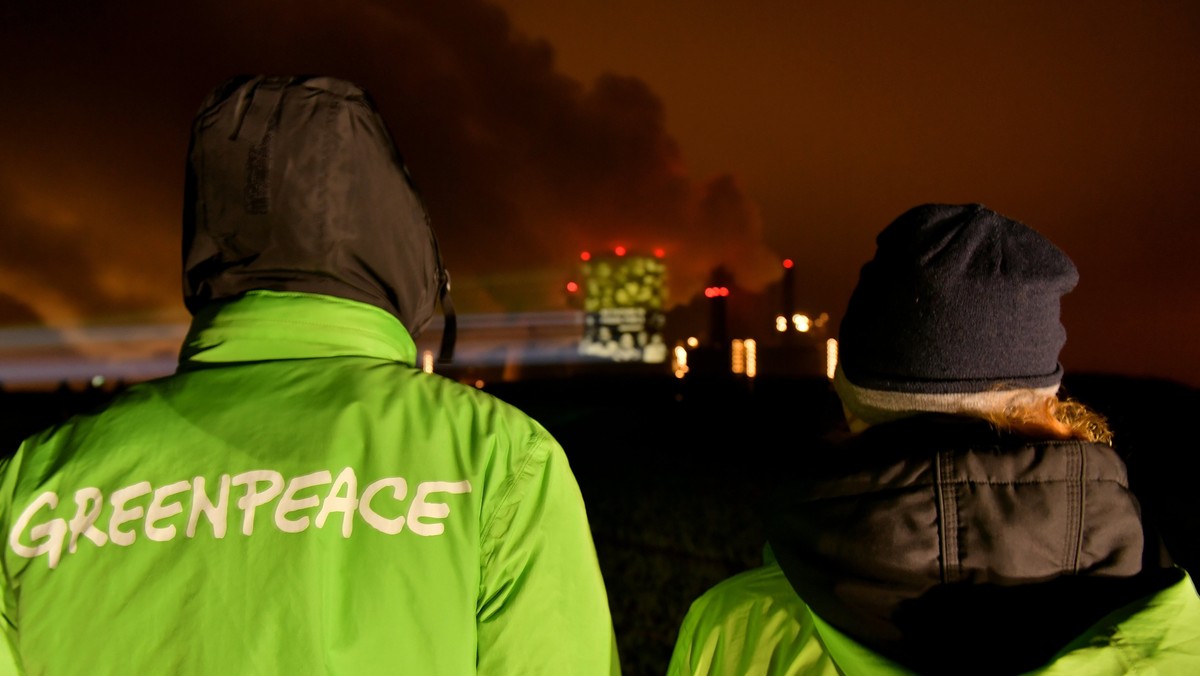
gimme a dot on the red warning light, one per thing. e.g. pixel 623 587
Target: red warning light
pixel 716 291
pixel 659 253
pixel 787 263
pixel 585 256
pixel 709 292
pixel 723 291
pixel 572 287
pixel 620 251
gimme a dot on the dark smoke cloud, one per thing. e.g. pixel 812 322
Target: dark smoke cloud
pixel 14 312
pixel 521 166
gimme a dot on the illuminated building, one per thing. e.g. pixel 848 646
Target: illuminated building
pixel 624 302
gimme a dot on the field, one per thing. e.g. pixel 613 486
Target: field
pixel 672 470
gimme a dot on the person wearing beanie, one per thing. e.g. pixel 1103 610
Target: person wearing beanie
pixel 299 497
pixel 968 521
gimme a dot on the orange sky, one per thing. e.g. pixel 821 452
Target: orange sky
pixel 733 133
pixel 1076 118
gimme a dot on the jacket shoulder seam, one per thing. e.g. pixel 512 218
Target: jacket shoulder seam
pixel 518 478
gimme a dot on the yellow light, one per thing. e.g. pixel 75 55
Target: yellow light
pixel 781 324
pixel 680 356
pixel 831 357
pixel 751 357
pixel 427 361
pixel 738 354
pixel 693 342
pixel 802 322
pixel 679 361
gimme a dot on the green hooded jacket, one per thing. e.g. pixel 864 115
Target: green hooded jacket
pixel 299 498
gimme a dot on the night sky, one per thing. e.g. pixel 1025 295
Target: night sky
pixel 725 133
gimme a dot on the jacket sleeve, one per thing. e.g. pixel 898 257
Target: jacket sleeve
pixel 689 657
pixel 751 623
pixel 542 606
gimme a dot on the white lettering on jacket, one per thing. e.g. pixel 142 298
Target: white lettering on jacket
pixel 163 511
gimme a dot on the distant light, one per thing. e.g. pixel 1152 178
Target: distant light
pixel 831 357
pixel 680 366
pixel 693 341
pixel 737 355
pixel 620 251
pixel 585 256
pixel 479 384
pixel 787 263
pixel 781 324
pixel 680 356
pixel 97 381
pixel 802 322
pixel 572 287
pixel 715 291
pixel 751 357
pixel 821 320
pixel 708 292
pixel 659 253
pixel 427 361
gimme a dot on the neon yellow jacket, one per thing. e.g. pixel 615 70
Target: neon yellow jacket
pixel 754 624
pixel 299 499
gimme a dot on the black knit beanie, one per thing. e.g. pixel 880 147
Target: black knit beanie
pixel 957 299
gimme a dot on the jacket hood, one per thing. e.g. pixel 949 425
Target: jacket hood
pixel 935 540
pixel 294 184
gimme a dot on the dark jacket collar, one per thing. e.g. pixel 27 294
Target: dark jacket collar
pixel 936 536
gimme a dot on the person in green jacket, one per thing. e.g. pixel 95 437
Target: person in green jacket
pixel 299 498
pixel 969 521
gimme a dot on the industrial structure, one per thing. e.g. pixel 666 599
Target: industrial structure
pixel 624 299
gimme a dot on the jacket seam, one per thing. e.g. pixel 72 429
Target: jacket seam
pixel 1033 482
pixel 1077 495
pixel 519 477
pixel 948 523
pixel 960 482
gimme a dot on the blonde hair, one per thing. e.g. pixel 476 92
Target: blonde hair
pixel 1050 418
pixel 1032 413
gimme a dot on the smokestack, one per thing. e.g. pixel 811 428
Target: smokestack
pixel 718 319
pixel 789 288
pixel 788 298
pixel 717 294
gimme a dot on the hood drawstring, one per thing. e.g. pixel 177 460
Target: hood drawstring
pixel 450 321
